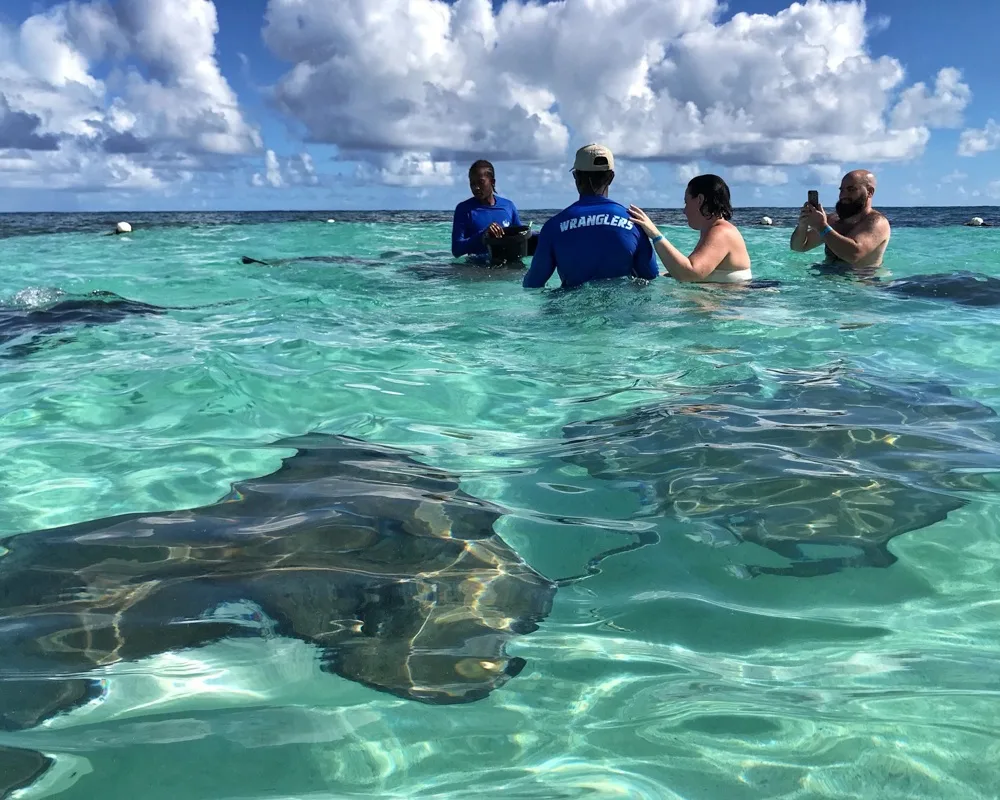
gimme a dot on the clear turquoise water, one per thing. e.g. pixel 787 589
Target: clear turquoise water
pixel 665 675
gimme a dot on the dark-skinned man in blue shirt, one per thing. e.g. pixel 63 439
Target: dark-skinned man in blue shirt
pixel 482 216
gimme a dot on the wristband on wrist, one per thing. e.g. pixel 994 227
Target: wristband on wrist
pixel 825 231
pixel 655 239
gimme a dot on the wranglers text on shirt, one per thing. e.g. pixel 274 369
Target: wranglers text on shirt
pixel 596 219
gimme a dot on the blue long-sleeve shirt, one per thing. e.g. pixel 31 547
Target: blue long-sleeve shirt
pixel 472 218
pixel 590 240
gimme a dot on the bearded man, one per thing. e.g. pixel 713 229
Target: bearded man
pixel 856 236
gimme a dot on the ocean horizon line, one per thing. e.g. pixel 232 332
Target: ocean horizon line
pixel 321 210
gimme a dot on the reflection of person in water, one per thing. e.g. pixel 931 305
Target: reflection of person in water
pixel 482 216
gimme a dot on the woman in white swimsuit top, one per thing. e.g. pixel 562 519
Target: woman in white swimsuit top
pixel 721 254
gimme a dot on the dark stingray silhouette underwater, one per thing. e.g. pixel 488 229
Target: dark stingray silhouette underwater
pixel 823 469
pixel 280 262
pixel 430 269
pixel 383 563
pixel 93 308
pixel 962 288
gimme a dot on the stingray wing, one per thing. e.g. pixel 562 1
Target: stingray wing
pixel 829 461
pixel 19 769
pixel 441 637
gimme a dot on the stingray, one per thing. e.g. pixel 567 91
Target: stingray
pixel 425 271
pixel 73 311
pixel 384 564
pixel 823 470
pixel 962 288
pixel 280 262
pixel 93 308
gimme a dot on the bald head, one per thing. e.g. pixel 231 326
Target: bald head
pixel 856 192
pixel 861 177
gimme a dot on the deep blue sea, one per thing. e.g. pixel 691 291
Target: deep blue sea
pixel 97 222
pixel 362 521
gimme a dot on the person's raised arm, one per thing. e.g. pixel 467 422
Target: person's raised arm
pixel 710 252
pixel 803 238
pixel 543 263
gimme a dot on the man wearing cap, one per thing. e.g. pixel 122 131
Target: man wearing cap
pixel 593 238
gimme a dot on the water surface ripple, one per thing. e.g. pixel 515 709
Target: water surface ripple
pixel 771 515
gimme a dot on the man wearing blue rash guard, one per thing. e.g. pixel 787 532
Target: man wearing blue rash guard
pixel 482 216
pixel 593 238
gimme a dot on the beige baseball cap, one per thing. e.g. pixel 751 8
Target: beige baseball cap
pixel 594 158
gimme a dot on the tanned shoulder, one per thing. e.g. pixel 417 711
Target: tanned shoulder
pixel 876 220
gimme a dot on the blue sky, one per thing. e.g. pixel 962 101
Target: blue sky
pixel 142 104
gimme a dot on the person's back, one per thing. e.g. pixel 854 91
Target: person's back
pixel 594 238
pixel 735 264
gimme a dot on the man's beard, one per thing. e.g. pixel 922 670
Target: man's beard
pixel 846 209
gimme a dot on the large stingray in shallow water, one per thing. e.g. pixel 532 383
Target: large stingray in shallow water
pixel 93 308
pixel 280 262
pixel 962 288
pixel 384 564
pixel 824 469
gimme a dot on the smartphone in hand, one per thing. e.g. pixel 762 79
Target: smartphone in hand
pixel 814 198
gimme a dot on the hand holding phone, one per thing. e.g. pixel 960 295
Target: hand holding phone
pixel 814 198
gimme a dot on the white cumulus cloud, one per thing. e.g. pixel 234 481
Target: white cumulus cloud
pixel 979 140
pixel 272 172
pixel 941 108
pixel 654 79
pixel 762 176
pixel 297 170
pixel 130 94
pixel 162 108
pixel 824 174
pixel 187 99
pixel 685 172
pixel 407 169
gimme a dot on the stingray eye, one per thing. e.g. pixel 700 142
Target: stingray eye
pixel 476 669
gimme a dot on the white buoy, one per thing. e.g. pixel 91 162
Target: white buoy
pixel 975 222
pixel 766 221
pixel 331 220
pixel 123 227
